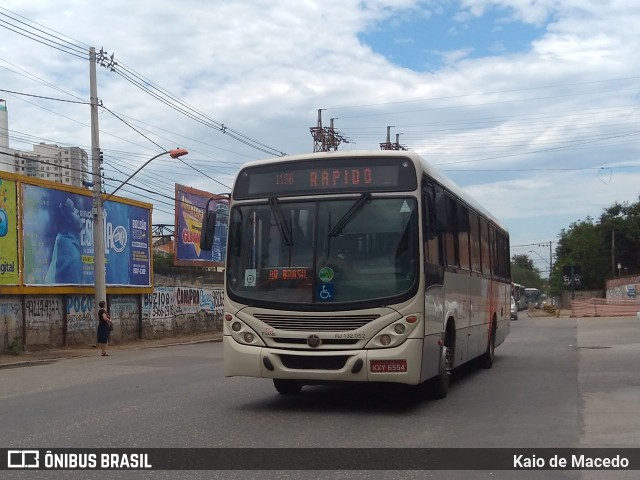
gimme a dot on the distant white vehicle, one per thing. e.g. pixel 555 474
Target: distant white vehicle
pixel 532 297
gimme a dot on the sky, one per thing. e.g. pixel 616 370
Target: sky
pixel 531 106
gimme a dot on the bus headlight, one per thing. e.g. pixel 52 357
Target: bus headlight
pixel 242 333
pixel 395 333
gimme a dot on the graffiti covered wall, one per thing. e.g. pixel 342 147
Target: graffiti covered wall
pixel 158 311
pixel 43 320
pixel 623 289
pixel 67 320
pixel 10 323
pixel 81 319
pixel 123 310
pixel 181 310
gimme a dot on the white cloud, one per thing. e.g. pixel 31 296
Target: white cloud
pixel 263 68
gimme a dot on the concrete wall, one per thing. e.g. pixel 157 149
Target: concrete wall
pixel 10 323
pixel 623 288
pixel 179 305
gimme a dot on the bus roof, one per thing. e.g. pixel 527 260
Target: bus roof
pixel 413 156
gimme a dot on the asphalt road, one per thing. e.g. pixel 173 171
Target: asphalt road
pixel 556 383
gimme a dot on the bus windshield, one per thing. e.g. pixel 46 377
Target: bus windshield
pixel 325 251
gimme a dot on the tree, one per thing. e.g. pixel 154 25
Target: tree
pixel 598 246
pixel 524 272
pixel 162 259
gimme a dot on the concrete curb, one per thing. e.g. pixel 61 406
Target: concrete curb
pixel 43 359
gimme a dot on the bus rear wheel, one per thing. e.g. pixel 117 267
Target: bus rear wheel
pixel 287 387
pixel 486 360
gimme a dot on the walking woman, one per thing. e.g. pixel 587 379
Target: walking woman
pixel 105 326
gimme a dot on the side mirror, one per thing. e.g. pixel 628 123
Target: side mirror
pixel 207 231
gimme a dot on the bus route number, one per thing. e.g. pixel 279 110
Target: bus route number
pixel 284 179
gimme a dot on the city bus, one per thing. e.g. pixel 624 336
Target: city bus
pixel 532 298
pixel 359 267
pixel 518 294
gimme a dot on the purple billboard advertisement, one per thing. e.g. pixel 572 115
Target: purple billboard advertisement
pixel 190 206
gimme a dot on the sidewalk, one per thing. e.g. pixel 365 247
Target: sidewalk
pixel 55 353
pixel 539 312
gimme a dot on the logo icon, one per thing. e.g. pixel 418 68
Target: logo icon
pixel 119 239
pixel 324 292
pixel 326 274
pixel 250 277
pixel 4 223
pixel 314 341
pixel 23 458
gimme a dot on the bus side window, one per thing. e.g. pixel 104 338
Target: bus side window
pixel 504 267
pixel 474 234
pixel 484 246
pixel 463 236
pixel 495 264
pixel 451 235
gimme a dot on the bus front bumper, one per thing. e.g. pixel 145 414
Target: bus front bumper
pixel 400 364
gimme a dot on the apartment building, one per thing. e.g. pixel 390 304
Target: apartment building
pixel 68 165
pixel 6 154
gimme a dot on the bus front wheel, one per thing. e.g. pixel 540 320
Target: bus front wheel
pixel 287 387
pixel 440 383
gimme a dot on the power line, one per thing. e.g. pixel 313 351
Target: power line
pixel 46 98
pixel 135 79
pixel 47 39
pixel 182 107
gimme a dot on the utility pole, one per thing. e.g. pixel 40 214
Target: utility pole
pixel 99 272
pixel 613 252
pixel 550 256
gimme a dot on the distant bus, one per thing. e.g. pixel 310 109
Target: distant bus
pixel 532 297
pixel 359 267
pixel 517 292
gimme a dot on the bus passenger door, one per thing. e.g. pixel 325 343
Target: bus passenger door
pixel 433 254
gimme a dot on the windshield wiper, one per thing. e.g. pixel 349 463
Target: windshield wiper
pixel 276 211
pixel 346 218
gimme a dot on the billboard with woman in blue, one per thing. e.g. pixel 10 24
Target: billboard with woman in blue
pixel 58 239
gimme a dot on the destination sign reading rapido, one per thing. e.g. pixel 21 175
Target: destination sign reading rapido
pixel 334 175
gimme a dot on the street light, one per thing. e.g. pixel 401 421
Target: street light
pixel 99 270
pixel 175 153
pixel 544 259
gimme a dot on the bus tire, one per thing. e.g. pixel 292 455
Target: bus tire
pixel 440 383
pixel 486 360
pixel 287 387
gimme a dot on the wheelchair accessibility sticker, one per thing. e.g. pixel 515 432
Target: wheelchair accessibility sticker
pixel 324 292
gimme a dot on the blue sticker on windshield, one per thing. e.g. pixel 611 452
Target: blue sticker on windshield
pixel 324 292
